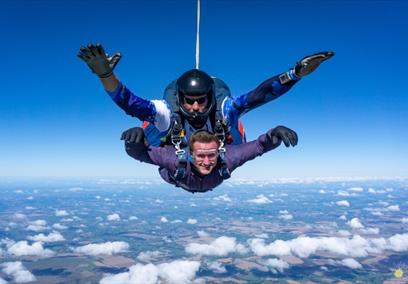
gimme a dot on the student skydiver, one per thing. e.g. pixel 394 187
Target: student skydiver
pixel 196 101
pixel 203 171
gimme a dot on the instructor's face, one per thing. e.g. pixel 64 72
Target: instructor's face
pixel 205 157
pixel 195 104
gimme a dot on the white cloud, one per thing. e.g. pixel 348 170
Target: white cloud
pixel 322 191
pixel 373 191
pixel 343 193
pixel 343 203
pixel 192 221
pixel 221 246
pixel 2 281
pixel 344 233
pixel 355 223
pixel 404 220
pixel 393 208
pixel 22 248
pixel 132 218
pixel 179 271
pixel 217 267
pixel 52 237
pixel 278 247
pixel 107 248
pixel 176 272
pixel 148 255
pixel 356 246
pixel 37 226
pixel 61 213
pixel 286 216
pixel 163 220
pixel 399 242
pixel 113 217
pixel 343 217
pixel 202 234
pixel 351 263
pixel 19 273
pixel 262 236
pixel 58 226
pixel 260 199
pixel 356 189
pixel 39 223
pixel 223 197
pixel 19 216
pixel 277 265
pixel 370 231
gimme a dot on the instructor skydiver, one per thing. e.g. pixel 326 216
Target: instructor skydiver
pixel 196 97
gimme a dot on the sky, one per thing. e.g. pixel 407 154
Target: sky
pixel 350 114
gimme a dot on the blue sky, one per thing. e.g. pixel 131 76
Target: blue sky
pixel 350 115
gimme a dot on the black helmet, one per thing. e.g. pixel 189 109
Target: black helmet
pixel 196 83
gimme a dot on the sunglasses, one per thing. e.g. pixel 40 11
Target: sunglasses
pixel 191 101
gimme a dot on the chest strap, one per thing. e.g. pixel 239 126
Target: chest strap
pixel 219 131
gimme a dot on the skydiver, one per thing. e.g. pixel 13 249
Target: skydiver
pixel 203 171
pixel 195 96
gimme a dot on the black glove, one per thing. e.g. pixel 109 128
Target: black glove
pixel 133 135
pixel 282 133
pixel 100 63
pixel 309 63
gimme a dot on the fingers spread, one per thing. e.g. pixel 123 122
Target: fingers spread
pixel 100 49
pixel 85 51
pixel 92 48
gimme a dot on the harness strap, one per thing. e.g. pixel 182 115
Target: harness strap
pixel 177 139
pixel 219 131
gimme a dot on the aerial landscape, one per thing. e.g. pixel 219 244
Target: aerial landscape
pixel 133 231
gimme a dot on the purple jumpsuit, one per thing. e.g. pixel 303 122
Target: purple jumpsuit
pixel 166 159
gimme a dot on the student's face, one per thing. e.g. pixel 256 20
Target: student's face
pixel 205 157
pixel 195 104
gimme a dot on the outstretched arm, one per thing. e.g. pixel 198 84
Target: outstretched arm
pixel 267 91
pixel 276 86
pixel 237 155
pixel 155 111
pixel 136 147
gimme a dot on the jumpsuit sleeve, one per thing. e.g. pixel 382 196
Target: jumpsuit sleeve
pixel 237 155
pixel 153 111
pixel 164 157
pixel 267 91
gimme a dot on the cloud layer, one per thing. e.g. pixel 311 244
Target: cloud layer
pixel 176 272
pixel 107 248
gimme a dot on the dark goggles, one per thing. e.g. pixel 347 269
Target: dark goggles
pixel 191 101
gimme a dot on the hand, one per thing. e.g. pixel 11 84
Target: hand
pixel 282 133
pixel 100 63
pixel 309 63
pixel 133 135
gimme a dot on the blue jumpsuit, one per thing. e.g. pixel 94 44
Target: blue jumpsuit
pixel 158 112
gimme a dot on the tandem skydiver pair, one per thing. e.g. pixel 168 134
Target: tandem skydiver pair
pixel 197 103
